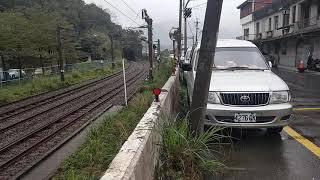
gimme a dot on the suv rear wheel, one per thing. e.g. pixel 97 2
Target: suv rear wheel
pixel 275 130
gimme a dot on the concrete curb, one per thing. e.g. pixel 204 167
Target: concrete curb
pixel 138 156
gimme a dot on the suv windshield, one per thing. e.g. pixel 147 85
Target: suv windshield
pixel 239 59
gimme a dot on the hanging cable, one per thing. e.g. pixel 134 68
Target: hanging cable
pixel 128 6
pixel 121 12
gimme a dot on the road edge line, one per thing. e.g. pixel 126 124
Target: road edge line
pixel 306 109
pixel 302 140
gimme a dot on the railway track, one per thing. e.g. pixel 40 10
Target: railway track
pixel 27 141
pixel 14 108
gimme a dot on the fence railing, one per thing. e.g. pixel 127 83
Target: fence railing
pixel 20 75
pixel 305 23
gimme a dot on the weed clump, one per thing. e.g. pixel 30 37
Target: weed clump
pixel 184 156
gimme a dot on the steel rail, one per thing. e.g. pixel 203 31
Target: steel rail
pixel 132 82
pixel 62 93
pixel 54 107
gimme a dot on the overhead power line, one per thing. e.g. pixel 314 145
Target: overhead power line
pixel 121 12
pixel 198 5
pixel 128 6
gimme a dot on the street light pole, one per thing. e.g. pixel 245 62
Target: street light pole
pixel 204 66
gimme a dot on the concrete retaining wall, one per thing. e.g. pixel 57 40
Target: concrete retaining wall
pixel 139 155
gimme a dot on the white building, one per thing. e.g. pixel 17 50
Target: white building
pixel 287 29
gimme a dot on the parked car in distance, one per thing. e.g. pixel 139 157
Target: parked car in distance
pixel 38 72
pixel 181 61
pixel 186 64
pixel 15 73
pixel 270 58
pixel 4 75
pixel 244 92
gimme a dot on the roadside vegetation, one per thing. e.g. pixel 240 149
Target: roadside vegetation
pixel 104 142
pixel 184 156
pixel 28 33
pixel 16 91
pixel 28 40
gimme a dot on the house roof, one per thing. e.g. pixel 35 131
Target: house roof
pixel 244 3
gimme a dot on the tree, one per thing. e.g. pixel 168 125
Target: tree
pixel 29 30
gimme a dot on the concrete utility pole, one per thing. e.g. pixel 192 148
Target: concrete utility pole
pixel 179 31
pixel 204 67
pixel 197 29
pixel 174 48
pixel 149 21
pixel 187 14
pixel 112 51
pixel 61 62
pixel 159 51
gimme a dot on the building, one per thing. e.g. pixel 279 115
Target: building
pixel 287 29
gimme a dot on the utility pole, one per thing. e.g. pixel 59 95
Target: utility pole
pixel 149 21
pixel 185 36
pixel 187 13
pixel 197 29
pixel 179 31
pixel 174 48
pixel 112 51
pixel 61 64
pixel 204 67
pixel 159 51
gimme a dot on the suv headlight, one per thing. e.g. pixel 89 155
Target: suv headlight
pixel 279 97
pixel 213 98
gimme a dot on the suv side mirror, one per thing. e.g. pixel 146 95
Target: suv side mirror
pixel 270 64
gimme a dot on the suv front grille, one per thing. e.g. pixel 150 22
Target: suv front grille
pixel 245 99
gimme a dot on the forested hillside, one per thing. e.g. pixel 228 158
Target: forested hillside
pixel 28 32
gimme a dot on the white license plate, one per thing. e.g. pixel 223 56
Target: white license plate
pixel 245 117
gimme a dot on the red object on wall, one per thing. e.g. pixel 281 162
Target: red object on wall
pixel 301 67
pixel 157 92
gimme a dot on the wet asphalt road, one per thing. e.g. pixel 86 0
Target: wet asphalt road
pixel 257 155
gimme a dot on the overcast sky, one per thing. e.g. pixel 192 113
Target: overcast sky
pixel 165 15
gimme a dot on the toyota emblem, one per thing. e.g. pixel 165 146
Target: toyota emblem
pixel 245 98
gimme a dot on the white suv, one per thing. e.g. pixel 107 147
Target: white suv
pixel 244 92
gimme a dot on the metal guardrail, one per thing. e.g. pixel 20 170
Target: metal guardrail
pixel 18 76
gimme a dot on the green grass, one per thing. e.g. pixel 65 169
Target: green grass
pixel 104 142
pixel 13 92
pixel 184 156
